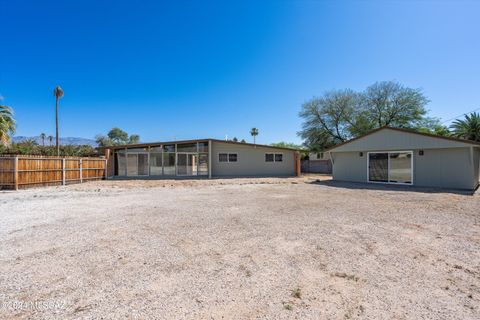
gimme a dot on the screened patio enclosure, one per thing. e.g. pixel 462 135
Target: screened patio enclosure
pixel 182 159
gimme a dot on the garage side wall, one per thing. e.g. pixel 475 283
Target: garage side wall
pixel 444 168
pixel 349 166
pixel 476 168
pixel 251 161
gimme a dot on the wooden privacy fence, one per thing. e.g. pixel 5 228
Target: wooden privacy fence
pixel 27 171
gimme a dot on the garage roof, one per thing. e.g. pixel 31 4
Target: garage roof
pixel 388 138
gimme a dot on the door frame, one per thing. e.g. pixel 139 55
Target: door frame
pixel 388 167
pixel 148 164
pixel 187 154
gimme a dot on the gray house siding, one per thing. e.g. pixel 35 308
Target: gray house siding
pixel 476 167
pixel 349 166
pixel 442 168
pixel 250 161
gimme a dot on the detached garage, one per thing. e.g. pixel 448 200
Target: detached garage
pixel 401 156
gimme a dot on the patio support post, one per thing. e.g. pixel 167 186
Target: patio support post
pixel 209 159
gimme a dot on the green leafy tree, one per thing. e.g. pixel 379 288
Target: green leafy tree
pixel 433 126
pixel 467 128
pixel 389 103
pixel 7 125
pixel 50 140
pixel 31 147
pixel 302 149
pixel 290 145
pixel 235 139
pixel 133 139
pixel 330 116
pixel 243 141
pixel 116 137
pixel 254 134
pixel 340 115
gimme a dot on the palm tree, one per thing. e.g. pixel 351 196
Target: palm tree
pixel 468 128
pixel 58 93
pixel 50 139
pixel 254 133
pixel 43 136
pixel 7 124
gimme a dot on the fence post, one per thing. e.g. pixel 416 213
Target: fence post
pixel 106 169
pixel 63 171
pixel 81 170
pixel 15 173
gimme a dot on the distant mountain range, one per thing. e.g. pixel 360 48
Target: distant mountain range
pixel 63 141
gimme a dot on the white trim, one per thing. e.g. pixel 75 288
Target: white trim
pixel 195 154
pixel 388 167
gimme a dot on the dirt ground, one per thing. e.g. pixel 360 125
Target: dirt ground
pixel 297 248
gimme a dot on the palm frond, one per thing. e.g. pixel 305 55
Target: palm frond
pixel 58 92
pixel 7 124
pixel 467 128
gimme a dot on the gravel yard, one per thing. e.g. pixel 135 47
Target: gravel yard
pixel 241 248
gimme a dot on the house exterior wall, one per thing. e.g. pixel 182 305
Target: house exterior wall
pixel 251 161
pixel 476 166
pixel 349 166
pixel 443 168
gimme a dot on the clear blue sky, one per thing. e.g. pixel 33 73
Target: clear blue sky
pixel 199 69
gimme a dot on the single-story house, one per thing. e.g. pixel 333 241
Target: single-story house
pixel 401 156
pixel 201 158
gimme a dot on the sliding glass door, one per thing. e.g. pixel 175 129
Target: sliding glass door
pixel 400 167
pixel 378 167
pixel 390 167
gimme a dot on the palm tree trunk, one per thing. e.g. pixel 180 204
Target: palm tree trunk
pixel 56 125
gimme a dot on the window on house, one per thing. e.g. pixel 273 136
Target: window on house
pixel 273 157
pixel 227 157
pixel 223 157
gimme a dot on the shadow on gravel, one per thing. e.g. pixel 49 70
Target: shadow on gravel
pixel 387 187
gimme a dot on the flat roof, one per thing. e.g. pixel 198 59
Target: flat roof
pixel 149 144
